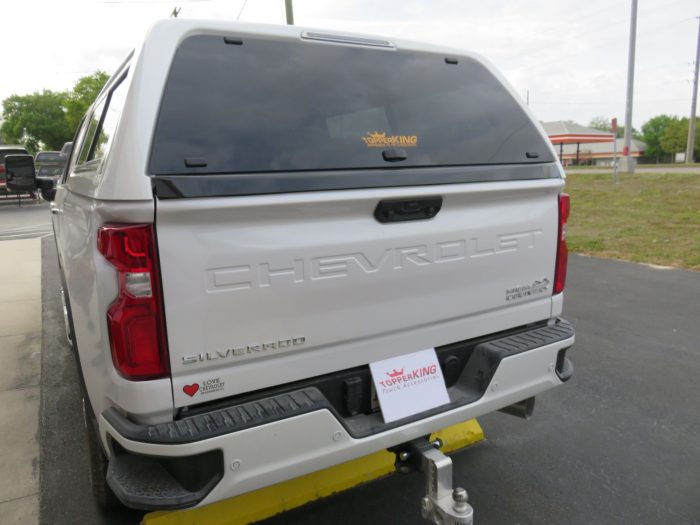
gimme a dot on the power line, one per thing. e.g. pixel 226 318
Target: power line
pixel 598 28
pixel 146 2
pixel 606 102
pixel 548 61
pixel 241 11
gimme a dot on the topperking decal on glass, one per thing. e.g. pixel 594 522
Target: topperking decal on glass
pixel 409 384
pixel 379 139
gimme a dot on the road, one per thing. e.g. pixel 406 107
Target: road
pixel 620 443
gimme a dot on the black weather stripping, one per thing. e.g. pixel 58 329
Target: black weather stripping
pixel 229 185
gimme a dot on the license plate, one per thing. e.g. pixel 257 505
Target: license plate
pixel 409 384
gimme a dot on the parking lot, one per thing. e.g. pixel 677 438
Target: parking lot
pixel 620 443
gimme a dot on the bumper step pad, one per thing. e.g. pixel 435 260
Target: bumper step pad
pixel 141 482
pixel 222 421
pixel 488 356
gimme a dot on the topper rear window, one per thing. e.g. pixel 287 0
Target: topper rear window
pixel 274 106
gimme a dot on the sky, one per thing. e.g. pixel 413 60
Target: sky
pixel 570 55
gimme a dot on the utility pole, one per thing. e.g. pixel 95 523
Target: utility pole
pixel 627 164
pixel 289 11
pixel 613 125
pixel 689 150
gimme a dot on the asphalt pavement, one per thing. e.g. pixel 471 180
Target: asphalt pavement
pixel 619 443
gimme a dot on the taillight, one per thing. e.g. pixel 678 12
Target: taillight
pixel 135 319
pixel 562 250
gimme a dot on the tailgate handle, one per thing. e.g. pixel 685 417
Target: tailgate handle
pixel 397 210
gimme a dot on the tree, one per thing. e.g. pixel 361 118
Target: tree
pixel 603 124
pixel 35 120
pixel 47 119
pixel 652 131
pixel 674 138
pixel 84 93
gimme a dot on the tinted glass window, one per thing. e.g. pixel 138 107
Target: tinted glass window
pixel 48 156
pixel 4 153
pixel 101 128
pixel 281 105
pixel 77 140
pixel 92 125
pixel 110 120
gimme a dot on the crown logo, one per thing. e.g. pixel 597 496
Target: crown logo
pixel 395 373
pixel 375 138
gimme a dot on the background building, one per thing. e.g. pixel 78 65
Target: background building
pixel 579 145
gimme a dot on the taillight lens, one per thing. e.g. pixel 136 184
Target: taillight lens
pixel 135 319
pixel 562 250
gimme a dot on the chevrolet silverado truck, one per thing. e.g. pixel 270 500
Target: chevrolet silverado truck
pixel 253 215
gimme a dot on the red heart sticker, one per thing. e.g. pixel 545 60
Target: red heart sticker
pixel 191 390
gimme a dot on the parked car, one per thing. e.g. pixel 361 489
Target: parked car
pixel 255 219
pixel 49 165
pixel 4 151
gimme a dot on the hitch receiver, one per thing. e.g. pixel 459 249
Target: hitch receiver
pixel 441 505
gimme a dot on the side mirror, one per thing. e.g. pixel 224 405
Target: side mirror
pixel 20 173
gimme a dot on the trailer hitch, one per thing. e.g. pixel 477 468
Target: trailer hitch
pixel 441 504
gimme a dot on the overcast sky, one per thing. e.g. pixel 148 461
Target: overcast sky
pixel 571 55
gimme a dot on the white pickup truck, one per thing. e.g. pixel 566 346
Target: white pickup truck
pixel 252 215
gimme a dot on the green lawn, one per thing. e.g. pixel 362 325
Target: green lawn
pixel 660 165
pixel 648 217
pixel 670 165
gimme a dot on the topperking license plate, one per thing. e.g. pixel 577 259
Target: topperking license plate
pixel 409 384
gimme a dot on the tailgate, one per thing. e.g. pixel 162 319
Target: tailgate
pixel 274 266
pixel 264 290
